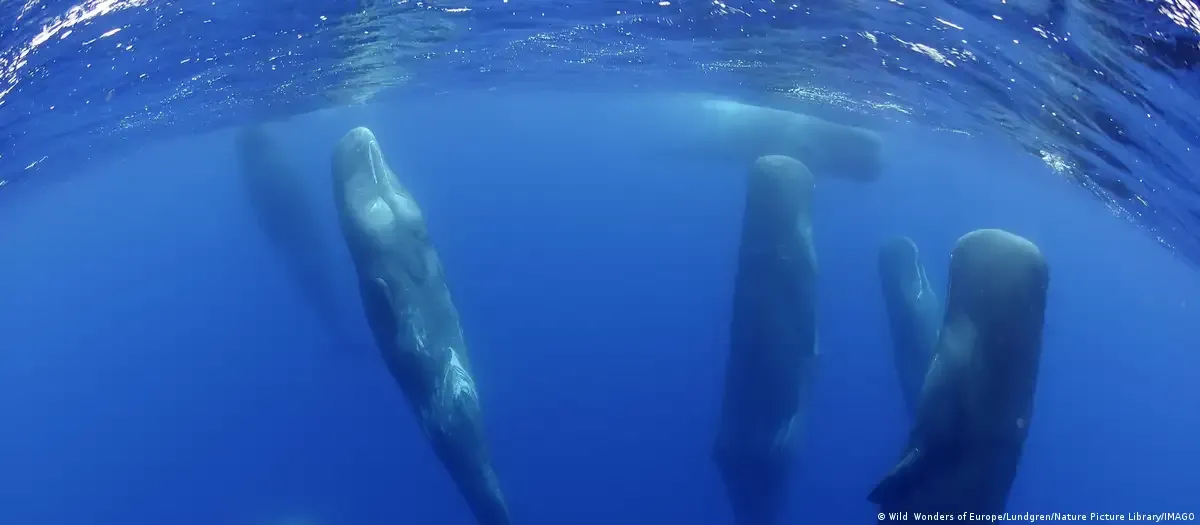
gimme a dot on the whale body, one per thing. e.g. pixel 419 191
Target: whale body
pixel 287 212
pixel 914 315
pixel 976 406
pixel 412 317
pixel 773 345
pixel 736 133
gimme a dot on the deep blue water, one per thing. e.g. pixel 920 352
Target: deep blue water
pixel 159 367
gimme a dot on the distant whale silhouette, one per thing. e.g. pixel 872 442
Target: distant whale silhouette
pixel 287 213
pixel 977 402
pixel 773 346
pixel 914 314
pixel 412 316
pixel 717 128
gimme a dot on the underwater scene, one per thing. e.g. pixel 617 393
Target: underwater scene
pixel 599 262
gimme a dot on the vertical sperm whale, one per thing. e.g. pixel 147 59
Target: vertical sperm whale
pixel 287 213
pixel 412 316
pixel 977 401
pixel 914 315
pixel 773 340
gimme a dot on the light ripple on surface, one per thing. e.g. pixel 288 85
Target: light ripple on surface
pixel 1104 92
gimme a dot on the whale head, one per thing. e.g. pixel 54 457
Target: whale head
pixel 372 202
pixel 250 141
pixel 999 280
pixel 901 269
pixel 997 303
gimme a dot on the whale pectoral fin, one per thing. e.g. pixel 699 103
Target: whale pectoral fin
pixel 377 303
pixel 935 437
pixel 902 478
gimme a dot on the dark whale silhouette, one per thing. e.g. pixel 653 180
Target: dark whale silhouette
pixel 287 211
pixel 914 314
pixel 773 347
pixel 977 402
pixel 413 318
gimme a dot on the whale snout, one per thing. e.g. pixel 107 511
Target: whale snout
pixel 367 189
pixel 358 165
pixel 999 280
pixel 898 252
pixel 899 262
pixel 998 267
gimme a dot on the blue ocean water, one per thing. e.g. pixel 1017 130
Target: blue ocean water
pixel 159 364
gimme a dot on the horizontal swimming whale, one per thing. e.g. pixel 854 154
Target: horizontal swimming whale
pixel 412 316
pixel 727 131
pixel 977 402
pixel 914 315
pixel 773 346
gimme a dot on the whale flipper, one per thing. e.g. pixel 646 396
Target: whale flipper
pixel 412 317
pixel 914 315
pixel 977 401
pixel 905 475
pixel 944 419
pixel 773 346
